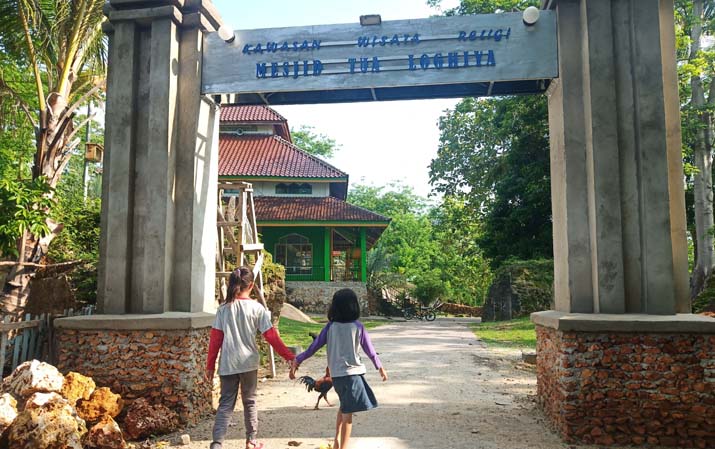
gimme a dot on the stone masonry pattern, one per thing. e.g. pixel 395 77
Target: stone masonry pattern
pixel 165 366
pixel 315 297
pixel 626 388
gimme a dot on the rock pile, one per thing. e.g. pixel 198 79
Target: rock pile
pixel 42 409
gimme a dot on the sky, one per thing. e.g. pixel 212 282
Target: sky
pixel 380 142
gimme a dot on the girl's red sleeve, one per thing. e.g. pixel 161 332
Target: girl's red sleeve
pixel 215 342
pixel 272 337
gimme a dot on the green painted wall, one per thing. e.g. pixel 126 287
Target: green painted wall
pixel 316 234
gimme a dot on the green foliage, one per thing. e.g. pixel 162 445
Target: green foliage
pixel 531 280
pixel 406 245
pixel 79 239
pixel 429 286
pixel 705 301
pixel 464 268
pixel 427 250
pixel 486 6
pixel 517 333
pixel 315 144
pixel 494 158
pixel 17 138
pixel 271 270
pixel 23 206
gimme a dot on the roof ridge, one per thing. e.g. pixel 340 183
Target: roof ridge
pixel 306 205
pixel 275 112
pixel 363 208
pixel 262 106
pixel 311 156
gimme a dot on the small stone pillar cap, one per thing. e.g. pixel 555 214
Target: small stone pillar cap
pixel 687 323
pixel 159 321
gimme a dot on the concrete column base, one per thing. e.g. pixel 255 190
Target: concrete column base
pixel 159 357
pixel 628 379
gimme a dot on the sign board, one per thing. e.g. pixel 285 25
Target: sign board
pixel 491 54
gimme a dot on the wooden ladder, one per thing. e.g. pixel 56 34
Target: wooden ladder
pixel 238 235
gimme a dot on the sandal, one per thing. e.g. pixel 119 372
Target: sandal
pixel 254 445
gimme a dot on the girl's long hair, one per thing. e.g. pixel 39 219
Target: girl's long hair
pixel 240 279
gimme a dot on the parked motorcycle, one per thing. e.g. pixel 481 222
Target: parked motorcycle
pixel 428 313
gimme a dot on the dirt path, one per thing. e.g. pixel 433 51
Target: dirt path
pixel 446 390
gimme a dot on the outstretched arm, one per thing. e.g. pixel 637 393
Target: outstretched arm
pixel 369 349
pixel 313 348
pixel 272 337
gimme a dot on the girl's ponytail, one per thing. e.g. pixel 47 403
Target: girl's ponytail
pixel 240 279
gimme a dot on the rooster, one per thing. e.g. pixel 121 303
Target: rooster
pixel 322 386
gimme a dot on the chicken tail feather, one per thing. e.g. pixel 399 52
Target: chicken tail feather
pixel 308 381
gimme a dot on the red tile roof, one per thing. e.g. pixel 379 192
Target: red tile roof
pixel 328 209
pixel 270 156
pixel 250 114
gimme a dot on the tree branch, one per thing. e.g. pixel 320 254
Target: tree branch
pixel 80 126
pixel 19 100
pixel 33 58
pixel 82 99
pixel 40 265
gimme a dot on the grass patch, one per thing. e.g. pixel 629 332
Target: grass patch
pixel 295 333
pixel 517 333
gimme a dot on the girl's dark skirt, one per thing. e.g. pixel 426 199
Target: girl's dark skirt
pixel 354 393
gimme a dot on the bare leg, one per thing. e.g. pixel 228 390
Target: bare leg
pixel 338 422
pixel 346 428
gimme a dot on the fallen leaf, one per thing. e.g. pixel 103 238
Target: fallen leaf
pixel 294 443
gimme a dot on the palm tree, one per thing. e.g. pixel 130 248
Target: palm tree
pixel 53 62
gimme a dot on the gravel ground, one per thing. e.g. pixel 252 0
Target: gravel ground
pixel 446 390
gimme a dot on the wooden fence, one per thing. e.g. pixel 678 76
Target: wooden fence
pixel 30 338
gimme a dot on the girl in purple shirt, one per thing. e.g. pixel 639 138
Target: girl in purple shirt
pixel 345 335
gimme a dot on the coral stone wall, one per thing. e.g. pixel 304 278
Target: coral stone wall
pixel 628 388
pixel 315 297
pixel 164 366
pixel 460 309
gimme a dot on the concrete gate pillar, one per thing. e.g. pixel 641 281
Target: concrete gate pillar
pixel 157 253
pixel 621 360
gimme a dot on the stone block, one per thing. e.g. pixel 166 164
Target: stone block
pixel 143 420
pixel 77 386
pixel 106 434
pixel 48 422
pixel 101 403
pixel 8 411
pixel 31 377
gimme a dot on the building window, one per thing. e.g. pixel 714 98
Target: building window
pixel 295 252
pixel 294 189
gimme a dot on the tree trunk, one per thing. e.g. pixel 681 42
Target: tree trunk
pixel 702 153
pixel 16 288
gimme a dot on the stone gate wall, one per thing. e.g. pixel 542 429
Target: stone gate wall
pixel 160 359
pixel 315 297
pixel 628 388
